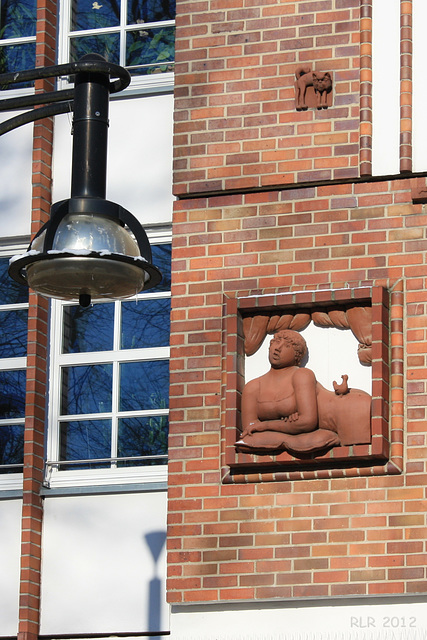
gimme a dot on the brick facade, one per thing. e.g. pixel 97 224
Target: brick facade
pixel 272 201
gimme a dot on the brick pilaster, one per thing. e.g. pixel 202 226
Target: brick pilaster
pixel 35 417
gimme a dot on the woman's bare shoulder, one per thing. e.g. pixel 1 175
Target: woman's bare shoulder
pixel 304 375
pixel 252 385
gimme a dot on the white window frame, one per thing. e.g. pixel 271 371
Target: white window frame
pixel 55 477
pixel 152 83
pixel 12 481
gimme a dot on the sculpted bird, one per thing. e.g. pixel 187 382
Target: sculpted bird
pixel 341 389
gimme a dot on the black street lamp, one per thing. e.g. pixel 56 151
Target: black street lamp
pixel 90 248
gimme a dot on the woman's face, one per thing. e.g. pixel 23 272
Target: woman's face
pixel 281 353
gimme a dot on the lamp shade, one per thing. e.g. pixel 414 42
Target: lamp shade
pixel 85 256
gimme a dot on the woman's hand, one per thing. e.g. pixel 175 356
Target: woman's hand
pixel 251 428
pixel 292 418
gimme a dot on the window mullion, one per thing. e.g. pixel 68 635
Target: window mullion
pixel 123 21
pixel 116 381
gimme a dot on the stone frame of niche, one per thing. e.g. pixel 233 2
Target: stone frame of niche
pixel 339 461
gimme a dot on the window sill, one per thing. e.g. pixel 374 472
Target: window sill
pixel 12 482
pixel 55 479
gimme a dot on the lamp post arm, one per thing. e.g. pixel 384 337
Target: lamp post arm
pixel 96 66
pixel 19 102
pixel 35 114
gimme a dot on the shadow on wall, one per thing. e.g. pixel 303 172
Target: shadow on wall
pixel 155 541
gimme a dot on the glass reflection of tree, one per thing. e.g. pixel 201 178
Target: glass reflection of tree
pixel 13 333
pixel 145 323
pixel 144 385
pixel 140 11
pixel 17 20
pixel 87 14
pixel 143 436
pixel 86 389
pixel 85 440
pixel 11 291
pixel 88 329
pixel 12 405
pixel 11 446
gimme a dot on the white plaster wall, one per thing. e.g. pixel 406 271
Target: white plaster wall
pixel 339 619
pixel 419 52
pixel 139 174
pixel 99 574
pixel 15 180
pixel 10 550
pixel 331 353
pixel 385 86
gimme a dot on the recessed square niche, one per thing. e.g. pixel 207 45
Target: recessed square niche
pixel 337 347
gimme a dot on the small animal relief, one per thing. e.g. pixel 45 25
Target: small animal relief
pixel 312 89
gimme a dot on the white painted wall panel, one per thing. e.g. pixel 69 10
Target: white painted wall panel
pixel 103 567
pixel 139 175
pixel 385 86
pixel 419 91
pixel 10 550
pixel 15 180
pixel 334 619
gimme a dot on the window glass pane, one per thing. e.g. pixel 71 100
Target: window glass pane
pixel 13 333
pixel 11 291
pixel 87 14
pixel 12 446
pixel 145 323
pixel 17 18
pixel 153 48
pixel 12 393
pixel 143 437
pixel 90 329
pixel 16 57
pixel 86 389
pixel 162 260
pixel 106 45
pixel 84 440
pixel 144 385
pixel 140 11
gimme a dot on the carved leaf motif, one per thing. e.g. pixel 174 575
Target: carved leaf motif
pixel 300 321
pixel 339 318
pixel 277 323
pixel 254 330
pixel 360 321
pixel 322 319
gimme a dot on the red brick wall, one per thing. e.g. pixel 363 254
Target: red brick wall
pixel 236 123
pixel 269 203
pixel 317 536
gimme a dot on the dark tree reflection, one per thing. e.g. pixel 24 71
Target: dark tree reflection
pixel 145 436
pixel 86 389
pixel 88 329
pixel 85 440
pixel 11 446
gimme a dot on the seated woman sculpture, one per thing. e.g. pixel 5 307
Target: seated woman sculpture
pixel 288 409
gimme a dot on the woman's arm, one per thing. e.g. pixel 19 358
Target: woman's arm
pixel 304 420
pixel 249 407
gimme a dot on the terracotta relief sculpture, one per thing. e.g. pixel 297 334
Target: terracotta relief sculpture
pixel 288 409
pixel 321 83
